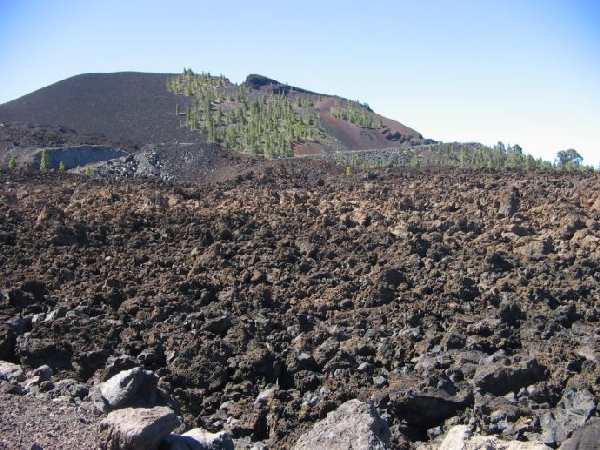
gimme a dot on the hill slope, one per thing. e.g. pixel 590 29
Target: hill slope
pixel 137 108
pixel 127 106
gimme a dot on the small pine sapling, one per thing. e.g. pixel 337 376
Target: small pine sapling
pixel 44 162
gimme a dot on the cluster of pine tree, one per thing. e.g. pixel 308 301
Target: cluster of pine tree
pixel 257 123
pixel 270 125
pixel 356 113
pixel 441 155
pixel 477 156
pixel 192 84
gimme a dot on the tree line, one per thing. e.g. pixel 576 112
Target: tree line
pixel 258 123
pixel 460 156
pixel 356 113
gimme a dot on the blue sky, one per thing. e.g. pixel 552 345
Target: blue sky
pixel 525 72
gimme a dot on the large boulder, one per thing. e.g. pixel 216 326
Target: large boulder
pixel 133 387
pixel 354 424
pixel 586 438
pixel 137 428
pixel 198 439
pixel 572 412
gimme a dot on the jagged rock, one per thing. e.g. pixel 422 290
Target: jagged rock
pixel 510 313
pixel 56 313
pixel 427 408
pixel 510 203
pixel 30 292
pixel 11 388
pixel 498 262
pixel 129 387
pixel 453 341
pixel 137 428
pixel 35 351
pixel 265 397
pixel 326 351
pixel 10 372
pixel 7 341
pixel 116 364
pixel 69 388
pixel 585 438
pixel 354 424
pixel 43 372
pixel 536 249
pixel 499 378
pixel 87 362
pixel 573 410
pixel 219 325
pixel 198 439
pixel 306 361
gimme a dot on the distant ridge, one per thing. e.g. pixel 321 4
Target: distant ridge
pixel 137 109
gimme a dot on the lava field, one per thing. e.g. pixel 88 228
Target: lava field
pixel 264 302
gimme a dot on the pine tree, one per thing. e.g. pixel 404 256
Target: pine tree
pixel 12 163
pixel 44 162
pixel 61 167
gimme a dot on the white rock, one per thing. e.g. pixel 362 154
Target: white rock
pixel 459 438
pixel 137 428
pixel 265 397
pixel 493 443
pixel 455 438
pixel 123 387
pixel 10 372
pixel 199 439
pixel 355 425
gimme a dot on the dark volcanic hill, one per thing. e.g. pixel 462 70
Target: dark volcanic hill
pixel 127 107
pixel 137 109
pixel 14 135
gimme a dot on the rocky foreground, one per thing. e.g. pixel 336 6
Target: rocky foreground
pixel 297 308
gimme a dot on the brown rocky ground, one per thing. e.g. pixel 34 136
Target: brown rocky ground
pixel 445 298
pixel 45 423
